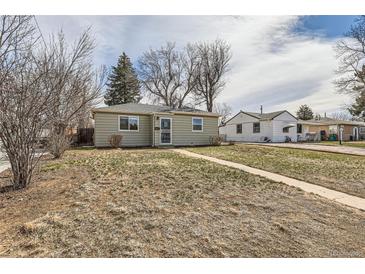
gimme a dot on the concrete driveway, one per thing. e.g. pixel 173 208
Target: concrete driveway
pixel 318 147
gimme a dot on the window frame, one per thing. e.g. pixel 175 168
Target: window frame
pixel 237 129
pixel 129 125
pixel 192 124
pixel 253 127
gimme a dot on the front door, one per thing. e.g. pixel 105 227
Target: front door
pixel 165 131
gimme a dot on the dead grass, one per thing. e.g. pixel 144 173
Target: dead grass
pixel 341 172
pixel 152 203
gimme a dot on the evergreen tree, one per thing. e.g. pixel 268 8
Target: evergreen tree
pixel 123 84
pixel 305 113
pixel 357 109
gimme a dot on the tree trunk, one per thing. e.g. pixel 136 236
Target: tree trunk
pixel 21 172
pixel 58 141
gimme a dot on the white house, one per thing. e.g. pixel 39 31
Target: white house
pixel 276 126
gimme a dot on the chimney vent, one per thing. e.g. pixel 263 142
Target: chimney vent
pixel 261 109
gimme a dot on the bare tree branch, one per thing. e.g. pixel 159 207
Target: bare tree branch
pixel 168 76
pixel 212 65
pixel 224 110
pixel 43 88
pixel 75 85
pixel 351 55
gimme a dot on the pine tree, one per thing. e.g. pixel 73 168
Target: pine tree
pixel 357 109
pixel 123 84
pixel 305 113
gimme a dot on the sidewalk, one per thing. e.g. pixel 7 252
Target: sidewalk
pixel 4 166
pixel 337 196
pixel 334 149
pixel 4 163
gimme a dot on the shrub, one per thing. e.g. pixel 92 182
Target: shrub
pixel 215 140
pixel 115 140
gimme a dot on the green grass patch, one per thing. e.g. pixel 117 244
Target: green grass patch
pixel 345 173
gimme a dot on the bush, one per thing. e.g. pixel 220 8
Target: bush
pixel 215 140
pixel 115 140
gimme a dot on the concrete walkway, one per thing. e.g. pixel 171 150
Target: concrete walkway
pixel 335 149
pixel 4 163
pixel 4 166
pixel 337 196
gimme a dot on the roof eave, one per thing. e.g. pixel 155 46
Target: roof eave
pixel 156 113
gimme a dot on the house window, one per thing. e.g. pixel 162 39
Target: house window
pixel 285 130
pixel 128 123
pixel 333 129
pixel 239 128
pixel 299 128
pixel 197 124
pixel 256 127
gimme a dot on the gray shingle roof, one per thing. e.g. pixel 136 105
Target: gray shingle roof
pixel 265 116
pixel 261 117
pixel 149 109
pixel 330 121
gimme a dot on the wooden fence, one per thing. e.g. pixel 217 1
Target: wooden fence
pixel 84 136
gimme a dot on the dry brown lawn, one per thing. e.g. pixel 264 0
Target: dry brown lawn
pixel 341 172
pixel 358 144
pixel 155 203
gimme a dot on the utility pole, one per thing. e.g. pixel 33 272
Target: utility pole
pixel 341 134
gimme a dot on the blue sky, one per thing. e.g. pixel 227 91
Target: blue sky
pixel 279 62
pixel 330 26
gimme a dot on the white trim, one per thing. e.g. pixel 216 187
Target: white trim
pixel 129 116
pixel 192 125
pixel 170 130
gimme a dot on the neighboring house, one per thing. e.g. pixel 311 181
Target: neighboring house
pixel 150 125
pixel 260 127
pixel 327 128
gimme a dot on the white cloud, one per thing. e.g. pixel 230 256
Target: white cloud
pixel 271 65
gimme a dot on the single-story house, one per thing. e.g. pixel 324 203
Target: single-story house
pixel 326 128
pixel 144 125
pixel 279 126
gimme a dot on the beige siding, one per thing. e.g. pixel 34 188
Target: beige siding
pixel 107 124
pixel 182 134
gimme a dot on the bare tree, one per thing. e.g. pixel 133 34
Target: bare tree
pixel 351 54
pixel 212 65
pixel 24 99
pixel 351 71
pixel 43 86
pixel 75 85
pixel 167 75
pixel 344 116
pixel 224 110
